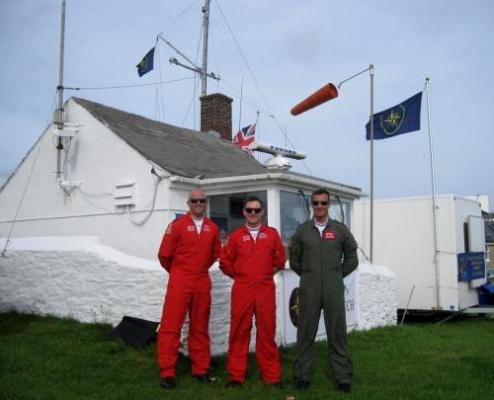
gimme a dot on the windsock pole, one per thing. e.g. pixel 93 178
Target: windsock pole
pixel 329 92
pixel 371 194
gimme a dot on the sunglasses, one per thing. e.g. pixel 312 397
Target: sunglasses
pixel 194 201
pixel 253 210
pixel 319 203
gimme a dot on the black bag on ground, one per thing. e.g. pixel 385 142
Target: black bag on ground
pixel 135 332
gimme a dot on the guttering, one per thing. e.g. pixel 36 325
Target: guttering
pixel 275 176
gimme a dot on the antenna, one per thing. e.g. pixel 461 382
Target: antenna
pixel 205 25
pixel 281 154
pixel 202 71
pixel 277 150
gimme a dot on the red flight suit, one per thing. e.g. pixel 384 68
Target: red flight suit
pixel 187 256
pixel 250 263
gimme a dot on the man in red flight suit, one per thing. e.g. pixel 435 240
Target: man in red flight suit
pixel 251 256
pixel 190 246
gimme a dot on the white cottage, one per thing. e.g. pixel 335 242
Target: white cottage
pixel 83 242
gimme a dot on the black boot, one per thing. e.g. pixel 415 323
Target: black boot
pixel 168 383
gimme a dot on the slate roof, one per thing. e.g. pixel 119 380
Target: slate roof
pixel 181 151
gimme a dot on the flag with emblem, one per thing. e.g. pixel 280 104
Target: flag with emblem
pixel 244 137
pixel 146 64
pixel 402 118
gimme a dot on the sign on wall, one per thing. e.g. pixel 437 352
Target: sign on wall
pixel 290 282
pixel 471 266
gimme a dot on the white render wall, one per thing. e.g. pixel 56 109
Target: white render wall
pixel 97 159
pixel 376 299
pixel 80 278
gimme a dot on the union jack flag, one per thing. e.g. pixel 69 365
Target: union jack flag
pixel 244 137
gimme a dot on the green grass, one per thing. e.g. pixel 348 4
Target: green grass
pixel 50 358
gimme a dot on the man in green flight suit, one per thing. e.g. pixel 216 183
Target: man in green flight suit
pixel 322 253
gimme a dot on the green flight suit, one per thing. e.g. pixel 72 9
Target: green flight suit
pixel 322 261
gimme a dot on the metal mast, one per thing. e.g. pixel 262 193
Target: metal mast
pixel 58 120
pixel 203 70
pixel 205 26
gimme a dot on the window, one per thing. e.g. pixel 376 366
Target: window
pixel 295 208
pixel 226 210
pixel 293 211
pixel 340 210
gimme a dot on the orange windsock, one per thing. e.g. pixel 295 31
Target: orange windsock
pixel 327 92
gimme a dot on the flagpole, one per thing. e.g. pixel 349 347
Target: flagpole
pixel 240 109
pixel 371 249
pixel 258 131
pixel 434 206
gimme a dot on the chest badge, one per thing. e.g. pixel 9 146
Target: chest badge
pixel 245 238
pixel 191 228
pixel 329 235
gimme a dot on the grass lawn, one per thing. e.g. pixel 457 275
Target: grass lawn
pixel 50 358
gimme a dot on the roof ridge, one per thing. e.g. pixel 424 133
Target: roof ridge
pixel 81 101
pixel 181 151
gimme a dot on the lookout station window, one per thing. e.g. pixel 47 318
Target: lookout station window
pixel 226 210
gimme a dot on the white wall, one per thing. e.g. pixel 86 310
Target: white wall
pixel 80 278
pixel 99 159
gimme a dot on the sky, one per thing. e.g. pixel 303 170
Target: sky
pixel 274 53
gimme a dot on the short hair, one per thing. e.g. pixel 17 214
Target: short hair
pixel 320 191
pixel 253 198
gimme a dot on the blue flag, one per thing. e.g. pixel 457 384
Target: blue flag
pixel 402 118
pixel 146 64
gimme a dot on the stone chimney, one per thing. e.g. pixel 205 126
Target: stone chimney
pixel 216 114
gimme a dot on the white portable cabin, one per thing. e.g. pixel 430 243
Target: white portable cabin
pixel 404 242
